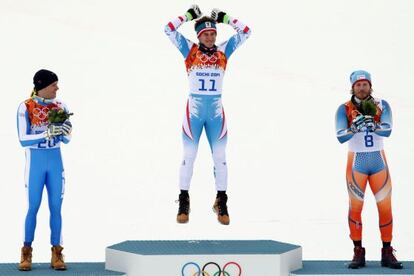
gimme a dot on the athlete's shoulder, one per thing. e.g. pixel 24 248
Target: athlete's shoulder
pixel 341 110
pixel 194 48
pixel 381 103
pixel 341 106
pixel 25 104
pixel 346 106
pixel 27 101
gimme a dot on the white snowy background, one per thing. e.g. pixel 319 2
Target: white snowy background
pixel 126 84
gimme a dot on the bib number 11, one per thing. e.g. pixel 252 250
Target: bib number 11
pixel 203 85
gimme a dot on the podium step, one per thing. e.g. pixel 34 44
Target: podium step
pixel 189 258
pixel 325 268
pixel 74 269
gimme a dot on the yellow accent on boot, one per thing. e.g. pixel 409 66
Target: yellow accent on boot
pixel 57 262
pixel 223 219
pixel 26 259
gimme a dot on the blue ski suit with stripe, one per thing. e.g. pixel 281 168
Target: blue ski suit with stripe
pixel 44 166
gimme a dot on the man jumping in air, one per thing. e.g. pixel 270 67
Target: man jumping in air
pixel 205 63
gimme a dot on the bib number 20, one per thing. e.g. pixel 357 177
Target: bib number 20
pixel 50 143
pixel 369 140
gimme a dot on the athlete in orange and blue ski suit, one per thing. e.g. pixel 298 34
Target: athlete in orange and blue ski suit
pixel 366 163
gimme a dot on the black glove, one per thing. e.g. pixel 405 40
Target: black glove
pixel 193 12
pixel 358 124
pixel 370 123
pixel 218 15
pixel 66 127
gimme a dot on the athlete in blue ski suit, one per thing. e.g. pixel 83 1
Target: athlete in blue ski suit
pixel 44 165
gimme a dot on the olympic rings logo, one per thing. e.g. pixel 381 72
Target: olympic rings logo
pixel 205 58
pixel 40 113
pixel 203 271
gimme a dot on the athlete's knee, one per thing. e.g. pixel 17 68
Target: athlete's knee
pixel 190 156
pixel 56 216
pixel 385 214
pixel 55 205
pixel 355 209
pixel 219 156
pixel 34 206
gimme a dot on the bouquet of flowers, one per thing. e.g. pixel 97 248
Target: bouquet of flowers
pixel 58 116
pixel 369 108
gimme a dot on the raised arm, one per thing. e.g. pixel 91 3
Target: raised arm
pixel 182 43
pixel 243 32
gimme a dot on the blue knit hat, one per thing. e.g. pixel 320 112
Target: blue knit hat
pixel 360 75
pixel 205 26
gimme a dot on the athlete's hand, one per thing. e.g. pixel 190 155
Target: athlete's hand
pixel 193 12
pixel 66 127
pixel 53 130
pixel 218 15
pixel 370 123
pixel 358 123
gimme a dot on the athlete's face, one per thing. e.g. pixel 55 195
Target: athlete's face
pixel 361 89
pixel 49 92
pixel 208 38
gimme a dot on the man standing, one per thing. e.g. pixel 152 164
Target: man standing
pixel 205 63
pixel 364 121
pixel 44 166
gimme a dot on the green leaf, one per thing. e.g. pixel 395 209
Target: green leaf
pixel 368 108
pixel 58 116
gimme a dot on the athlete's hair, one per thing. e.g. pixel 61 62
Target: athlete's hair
pixel 33 93
pixel 202 20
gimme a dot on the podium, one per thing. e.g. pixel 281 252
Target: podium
pixel 208 258
pixel 204 258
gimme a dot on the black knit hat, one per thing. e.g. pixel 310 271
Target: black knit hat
pixel 43 78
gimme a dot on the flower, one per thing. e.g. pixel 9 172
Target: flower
pixel 368 107
pixel 58 116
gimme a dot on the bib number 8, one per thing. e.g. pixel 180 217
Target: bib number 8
pixel 369 140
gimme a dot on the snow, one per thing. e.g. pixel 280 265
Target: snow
pixel 127 86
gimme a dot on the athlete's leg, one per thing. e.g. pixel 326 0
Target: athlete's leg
pixel 34 180
pixel 380 183
pixel 192 128
pixel 216 130
pixel 356 179
pixel 55 182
